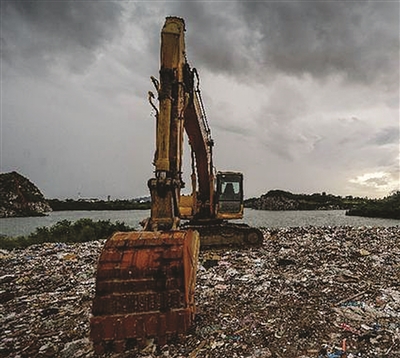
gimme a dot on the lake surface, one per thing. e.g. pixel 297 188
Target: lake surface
pixel 256 218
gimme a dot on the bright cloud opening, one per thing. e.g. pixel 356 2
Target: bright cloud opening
pixel 380 181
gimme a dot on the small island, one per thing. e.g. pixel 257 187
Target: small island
pixel 20 197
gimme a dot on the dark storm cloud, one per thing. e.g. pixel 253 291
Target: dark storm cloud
pixel 358 39
pixel 385 136
pixel 214 36
pixel 49 33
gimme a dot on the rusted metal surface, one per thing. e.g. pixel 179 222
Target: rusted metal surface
pixel 144 288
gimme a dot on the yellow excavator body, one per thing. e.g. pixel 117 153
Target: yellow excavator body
pixel 146 280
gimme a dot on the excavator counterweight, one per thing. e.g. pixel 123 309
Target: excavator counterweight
pixel 145 280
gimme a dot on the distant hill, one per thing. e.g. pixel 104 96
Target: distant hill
pixel 284 200
pixel 388 207
pixel 20 197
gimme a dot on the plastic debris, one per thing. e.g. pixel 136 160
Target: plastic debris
pixel 306 288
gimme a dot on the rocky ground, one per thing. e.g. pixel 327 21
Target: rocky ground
pixel 308 292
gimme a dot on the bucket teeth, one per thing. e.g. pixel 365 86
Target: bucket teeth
pixel 144 289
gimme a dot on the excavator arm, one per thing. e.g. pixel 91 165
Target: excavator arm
pixel 165 187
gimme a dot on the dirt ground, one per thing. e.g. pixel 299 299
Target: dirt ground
pixel 308 292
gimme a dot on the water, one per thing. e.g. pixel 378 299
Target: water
pixel 25 226
pixel 275 219
pixel 256 218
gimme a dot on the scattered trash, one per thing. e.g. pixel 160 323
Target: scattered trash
pixel 309 292
pixel 363 252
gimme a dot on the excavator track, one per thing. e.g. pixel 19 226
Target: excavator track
pixel 144 289
pixel 226 235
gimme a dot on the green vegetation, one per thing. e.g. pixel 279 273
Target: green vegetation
pixel 94 204
pixel 388 207
pixel 64 231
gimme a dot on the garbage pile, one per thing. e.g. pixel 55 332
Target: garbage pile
pixel 308 292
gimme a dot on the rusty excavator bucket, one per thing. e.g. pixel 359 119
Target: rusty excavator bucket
pixel 144 289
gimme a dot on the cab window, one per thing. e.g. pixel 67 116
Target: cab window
pixel 230 190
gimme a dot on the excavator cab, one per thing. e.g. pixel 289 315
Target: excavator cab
pixel 229 195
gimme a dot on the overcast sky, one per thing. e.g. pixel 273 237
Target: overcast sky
pixel 300 95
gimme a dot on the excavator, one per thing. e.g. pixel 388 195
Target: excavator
pixel 145 281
